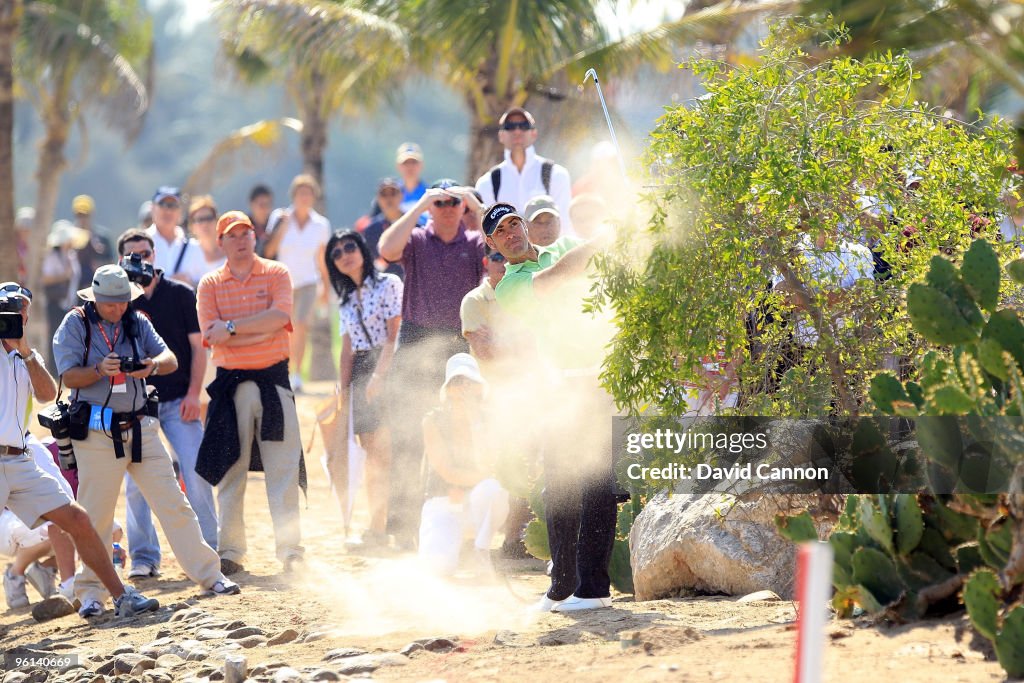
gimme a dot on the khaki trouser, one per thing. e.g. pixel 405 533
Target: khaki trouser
pixel 100 474
pixel 281 467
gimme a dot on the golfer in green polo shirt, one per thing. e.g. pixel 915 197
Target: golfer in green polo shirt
pixel 545 286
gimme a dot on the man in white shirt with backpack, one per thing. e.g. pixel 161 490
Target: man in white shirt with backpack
pixel 524 174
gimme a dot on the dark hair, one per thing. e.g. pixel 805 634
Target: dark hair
pixel 343 284
pixel 130 235
pixel 259 191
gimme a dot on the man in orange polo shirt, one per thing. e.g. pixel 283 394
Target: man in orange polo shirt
pixel 245 310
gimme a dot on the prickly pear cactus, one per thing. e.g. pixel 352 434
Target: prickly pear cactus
pixel 889 556
pixel 983 598
pixel 969 536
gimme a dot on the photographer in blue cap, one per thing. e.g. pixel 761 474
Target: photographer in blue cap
pixel 545 286
pixel 177 253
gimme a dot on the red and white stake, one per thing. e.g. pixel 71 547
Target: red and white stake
pixel 813 591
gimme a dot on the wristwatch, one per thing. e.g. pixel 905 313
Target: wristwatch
pixel 32 356
pixel 230 327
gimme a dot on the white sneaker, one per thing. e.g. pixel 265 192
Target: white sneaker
pixel 14 589
pixel 224 586
pixel 141 570
pixel 545 604
pixel 43 579
pixel 574 604
pixel 91 608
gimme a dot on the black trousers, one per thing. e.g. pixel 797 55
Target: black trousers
pixel 579 496
pixel 416 377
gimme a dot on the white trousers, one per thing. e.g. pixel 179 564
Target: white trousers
pixel 443 524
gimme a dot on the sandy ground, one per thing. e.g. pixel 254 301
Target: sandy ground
pixel 381 604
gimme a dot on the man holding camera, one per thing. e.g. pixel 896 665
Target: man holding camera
pixel 29 492
pixel 105 351
pixel 171 306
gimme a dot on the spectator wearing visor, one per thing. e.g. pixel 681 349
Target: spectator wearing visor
pixel 442 261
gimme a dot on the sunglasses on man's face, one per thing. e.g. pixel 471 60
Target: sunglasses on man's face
pixel 207 218
pixel 390 192
pixel 168 204
pixel 517 125
pixel 347 248
pixel 441 203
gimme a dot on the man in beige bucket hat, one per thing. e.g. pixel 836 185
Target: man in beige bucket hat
pixel 105 351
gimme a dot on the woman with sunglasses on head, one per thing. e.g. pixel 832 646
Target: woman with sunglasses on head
pixel 202 222
pixel 371 313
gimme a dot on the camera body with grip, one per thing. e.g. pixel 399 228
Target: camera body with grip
pixel 129 364
pixel 11 324
pixel 57 418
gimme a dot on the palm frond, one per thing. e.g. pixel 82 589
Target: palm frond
pixel 63 43
pixel 470 35
pixel 245 147
pixel 657 45
pixel 320 34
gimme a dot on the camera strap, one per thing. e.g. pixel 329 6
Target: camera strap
pixel 120 379
pixel 181 257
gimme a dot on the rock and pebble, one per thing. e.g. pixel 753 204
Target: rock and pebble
pixel 285 636
pixel 52 608
pixel 361 664
pixel 712 543
pixel 286 674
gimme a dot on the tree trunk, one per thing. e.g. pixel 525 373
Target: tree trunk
pixel 314 142
pixel 51 165
pixel 9 17
pixel 484 151
pixel 314 130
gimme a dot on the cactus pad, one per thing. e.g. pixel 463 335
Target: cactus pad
pixel 909 524
pixel 936 317
pixel 1010 642
pixel 980 272
pixel 874 571
pixel 981 597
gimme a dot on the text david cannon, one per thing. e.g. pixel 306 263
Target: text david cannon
pixel 749 472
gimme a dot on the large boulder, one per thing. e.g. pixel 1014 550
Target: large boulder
pixel 713 543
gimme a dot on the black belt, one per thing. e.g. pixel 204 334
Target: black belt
pixel 11 450
pixel 121 422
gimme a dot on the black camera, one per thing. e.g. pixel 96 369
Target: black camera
pixel 138 271
pixel 11 324
pixel 57 418
pixel 129 364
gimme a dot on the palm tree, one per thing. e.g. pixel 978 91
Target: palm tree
pixel 496 53
pixel 10 15
pixel 320 85
pixel 73 55
pixel 970 48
